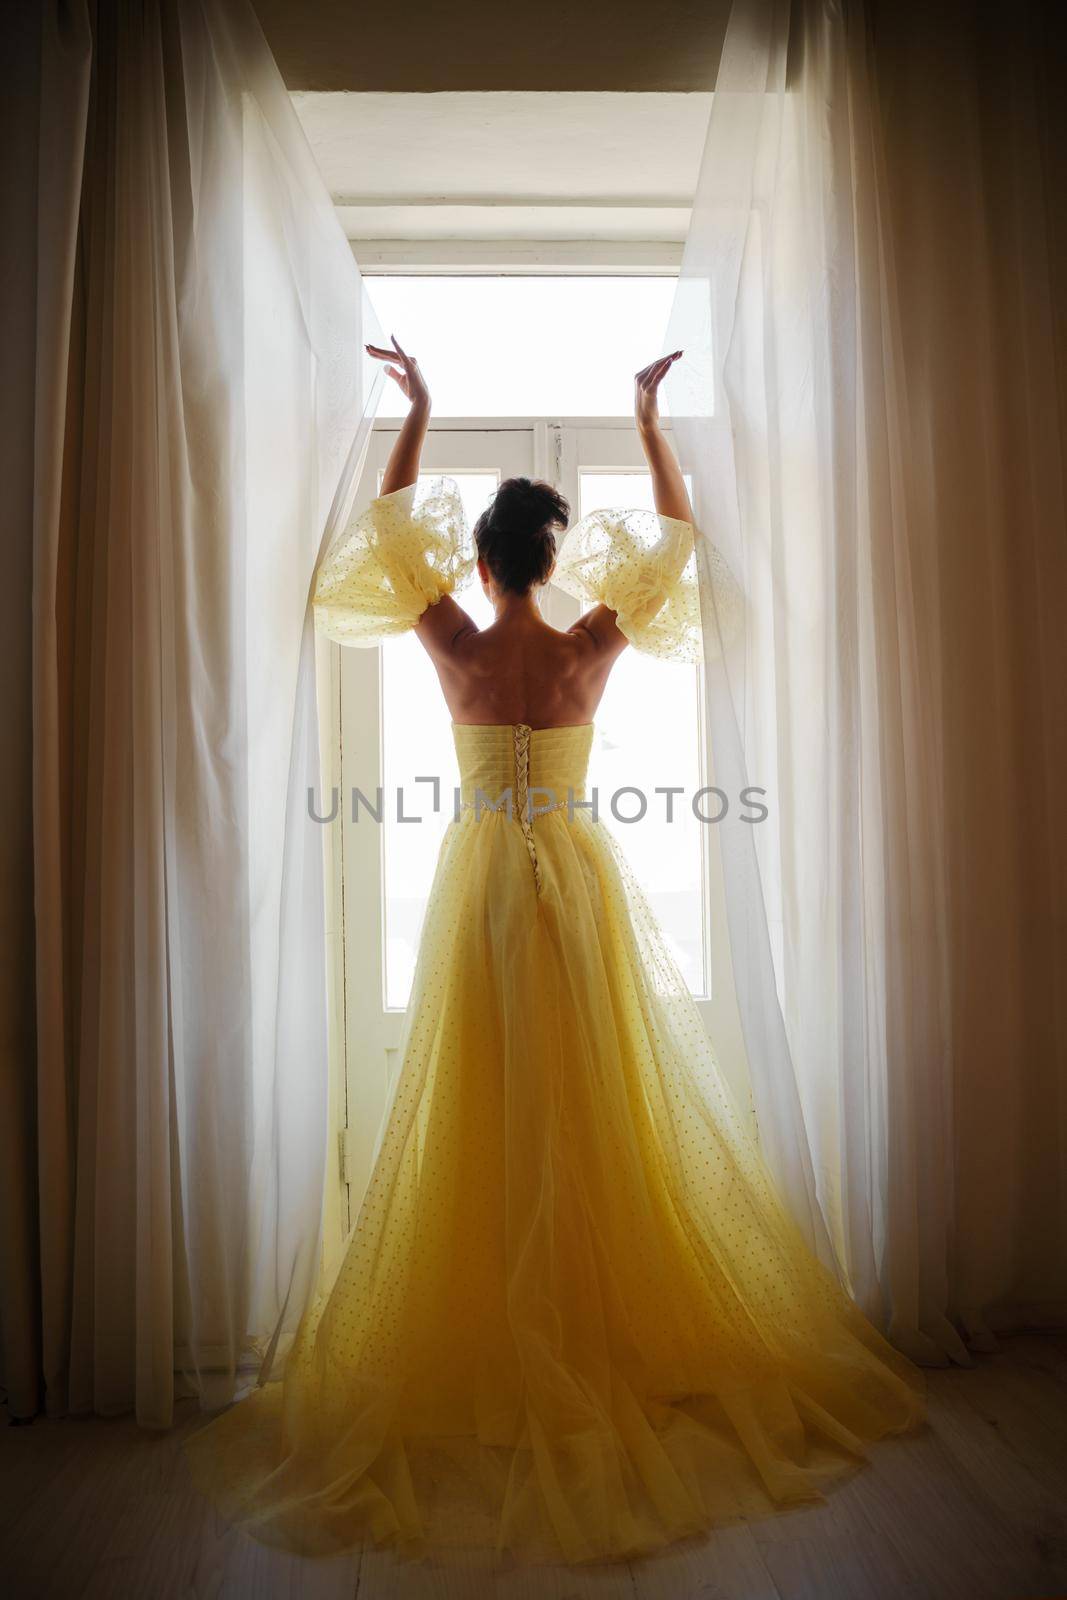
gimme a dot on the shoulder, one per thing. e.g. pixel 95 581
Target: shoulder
pixel 598 632
pixel 445 628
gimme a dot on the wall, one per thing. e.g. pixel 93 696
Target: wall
pixel 422 46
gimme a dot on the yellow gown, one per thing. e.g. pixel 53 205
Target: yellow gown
pixel 573 1319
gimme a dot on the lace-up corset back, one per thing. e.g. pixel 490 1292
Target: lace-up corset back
pixel 551 762
pixel 522 771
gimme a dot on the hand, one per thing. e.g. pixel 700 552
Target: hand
pixel 646 390
pixel 405 374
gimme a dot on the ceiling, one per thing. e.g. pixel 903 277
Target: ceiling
pixel 509 166
pixel 491 133
pixel 422 46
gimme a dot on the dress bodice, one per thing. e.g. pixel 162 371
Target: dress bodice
pixel 549 763
pixel 522 772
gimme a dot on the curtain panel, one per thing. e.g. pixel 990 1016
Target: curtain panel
pixel 871 409
pixel 973 183
pixel 202 398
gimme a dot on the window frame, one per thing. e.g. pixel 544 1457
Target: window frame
pixel 353 694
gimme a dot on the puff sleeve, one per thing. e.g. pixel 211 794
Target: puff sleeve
pixel 644 567
pixel 394 559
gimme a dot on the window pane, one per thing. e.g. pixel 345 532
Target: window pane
pixel 417 742
pixel 648 736
pixel 527 332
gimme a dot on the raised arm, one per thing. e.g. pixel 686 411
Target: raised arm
pixel 443 624
pixel 668 485
pixel 403 465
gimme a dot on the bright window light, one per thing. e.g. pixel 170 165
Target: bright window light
pixel 520 347
pixel 646 737
pixel 414 745
pixel 540 347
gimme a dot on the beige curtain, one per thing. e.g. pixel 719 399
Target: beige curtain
pixel 872 410
pixel 975 179
pixel 195 352
pixel 21 304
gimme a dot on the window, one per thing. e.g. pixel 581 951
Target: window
pixel 522 347
pixel 648 738
pixel 393 726
pixel 415 746
pixel 397 730
pixel 647 730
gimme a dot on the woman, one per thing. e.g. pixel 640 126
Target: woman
pixel 573 1319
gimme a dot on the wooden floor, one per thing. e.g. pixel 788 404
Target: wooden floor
pixel 975 1507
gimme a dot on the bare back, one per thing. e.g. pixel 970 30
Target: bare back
pixel 520 669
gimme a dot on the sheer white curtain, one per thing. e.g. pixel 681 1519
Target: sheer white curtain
pixel 805 421
pixel 200 385
pixel 787 410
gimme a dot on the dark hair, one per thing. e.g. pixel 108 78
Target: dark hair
pixel 516 536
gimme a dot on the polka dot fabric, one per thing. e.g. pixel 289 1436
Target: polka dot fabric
pixel 573 1320
pixel 392 561
pixel 644 566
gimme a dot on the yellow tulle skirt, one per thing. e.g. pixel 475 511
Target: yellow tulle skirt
pixel 573 1320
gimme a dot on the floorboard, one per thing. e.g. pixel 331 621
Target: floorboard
pixel 974 1508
